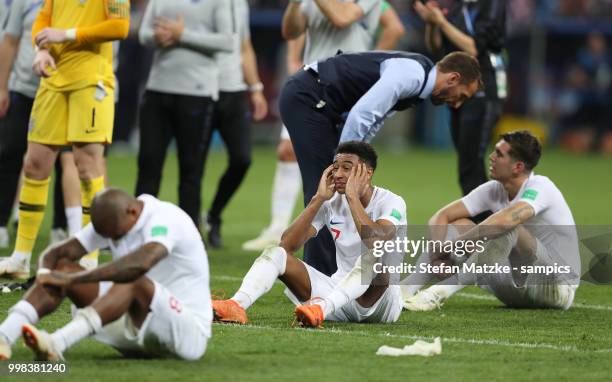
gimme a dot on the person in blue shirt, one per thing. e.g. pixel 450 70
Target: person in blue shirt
pixel 366 88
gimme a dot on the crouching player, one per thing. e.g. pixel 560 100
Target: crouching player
pixel 530 258
pixel 153 299
pixel 351 208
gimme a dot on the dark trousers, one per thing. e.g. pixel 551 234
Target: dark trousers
pixel 59 209
pixel 471 128
pixel 230 119
pixel 315 136
pixel 186 119
pixel 13 145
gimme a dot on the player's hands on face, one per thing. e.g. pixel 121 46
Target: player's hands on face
pixel 55 279
pixel 169 31
pixel 42 61
pixel 327 187
pixel 5 101
pixel 260 105
pixel 50 36
pixel 358 181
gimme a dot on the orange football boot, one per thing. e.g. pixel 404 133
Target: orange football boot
pixel 228 311
pixel 310 316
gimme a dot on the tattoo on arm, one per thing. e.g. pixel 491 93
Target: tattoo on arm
pixel 516 215
pixel 127 268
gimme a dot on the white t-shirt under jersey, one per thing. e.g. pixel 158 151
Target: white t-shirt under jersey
pixel 336 215
pixel 184 272
pixel 553 224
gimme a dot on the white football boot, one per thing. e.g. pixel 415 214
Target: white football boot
pixel 424 301
pixel 14 268
pixel 4 238
pixel 41 344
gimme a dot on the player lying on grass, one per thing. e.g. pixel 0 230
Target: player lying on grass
pixel 351 208
pixel 531 250
pixel 152 299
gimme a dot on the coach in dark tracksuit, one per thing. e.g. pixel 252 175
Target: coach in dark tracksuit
pixel 477 28
pixel 369 87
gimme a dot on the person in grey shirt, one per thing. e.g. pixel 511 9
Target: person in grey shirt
pixel 182 86
pixel 329 26
pixel 238 73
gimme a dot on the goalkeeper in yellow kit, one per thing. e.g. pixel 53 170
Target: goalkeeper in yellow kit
pixel 74 106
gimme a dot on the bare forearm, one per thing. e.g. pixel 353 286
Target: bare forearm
pixel 438 225
pixel 298 232
pixel 294 22
pixel 127 268
pixel 120 271
pixel 8 51
pixel 369 230
pixel 458 38
pixel 340 14
pixel 494 226
pixel 295 51
pixel 249 64
pixel 389 39
pixel 433 38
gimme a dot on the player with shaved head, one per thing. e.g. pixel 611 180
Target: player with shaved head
pixel 153 299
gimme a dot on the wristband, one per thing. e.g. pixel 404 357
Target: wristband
pixel 71 34
pixel 258 87
pixel 43 271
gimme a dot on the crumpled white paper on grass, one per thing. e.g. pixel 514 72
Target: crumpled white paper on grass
pixel 423 348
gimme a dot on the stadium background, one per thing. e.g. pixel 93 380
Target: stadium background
pixel 551 86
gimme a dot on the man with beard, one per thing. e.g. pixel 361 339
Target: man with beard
pixel 369 86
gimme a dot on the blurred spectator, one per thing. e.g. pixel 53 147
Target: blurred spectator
pixel 585 99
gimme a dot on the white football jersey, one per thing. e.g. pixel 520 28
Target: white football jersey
pixel 336 215
pixel 553 224
pixel 184 272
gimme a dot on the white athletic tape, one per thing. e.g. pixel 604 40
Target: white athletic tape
pixel 420 347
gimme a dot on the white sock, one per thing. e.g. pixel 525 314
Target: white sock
pixel 455 283
pixel 86 322
pixel 74 218
pixel 350 288
pixel 260 278
pixel 285 191
pixel 417 280
pixel 20 314
pixel 446 290
pixel 22 257
pixel 16 212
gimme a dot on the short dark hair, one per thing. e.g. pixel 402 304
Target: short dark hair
pixel 363 150
pixel 464 64
pixel 524 147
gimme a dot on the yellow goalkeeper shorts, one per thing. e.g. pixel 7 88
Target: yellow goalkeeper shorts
pixel 66 117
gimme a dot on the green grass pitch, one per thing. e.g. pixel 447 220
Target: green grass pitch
pixel 481 339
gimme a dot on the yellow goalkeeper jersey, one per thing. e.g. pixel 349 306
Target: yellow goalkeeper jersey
pixel 89 59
